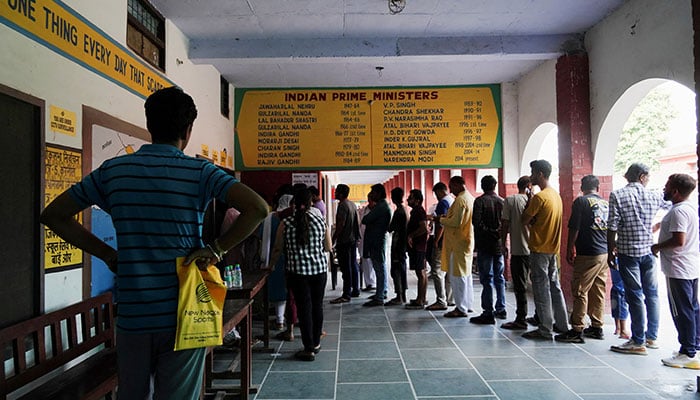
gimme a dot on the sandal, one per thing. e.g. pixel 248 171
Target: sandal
pixel 286 336
pixel 455 314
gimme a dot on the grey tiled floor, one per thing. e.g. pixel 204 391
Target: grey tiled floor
pixel 388 353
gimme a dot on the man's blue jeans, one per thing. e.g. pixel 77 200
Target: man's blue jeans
pixel 641 290
pixel 491 271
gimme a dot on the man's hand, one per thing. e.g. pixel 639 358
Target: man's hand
pixel 571 255
pixel 203 258
pixel 655 249
pixel 612 259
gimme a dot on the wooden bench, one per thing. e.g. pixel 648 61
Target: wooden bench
pixel 78 339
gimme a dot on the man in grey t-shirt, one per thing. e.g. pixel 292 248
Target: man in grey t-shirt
pixel 345 236
pixel 513 207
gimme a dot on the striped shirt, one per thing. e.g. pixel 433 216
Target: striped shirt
pixel 156 197
pixel 307 259
pixel 630 213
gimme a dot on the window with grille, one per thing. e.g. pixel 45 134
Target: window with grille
pixel 145 32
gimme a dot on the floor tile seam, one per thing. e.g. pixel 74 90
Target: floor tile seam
pixel 613 393
pixel 459 349
pixel 375 382
pixel 337 355
pixel 440 369
pixel 524 380
pixel 468 396
pixel 269 367
pixel 303 371
pixel 540 364
pixel 366 341
pixel 403 362
pixel 372 359
pixel 582 348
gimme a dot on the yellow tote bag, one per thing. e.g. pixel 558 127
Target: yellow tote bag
pixel 200 306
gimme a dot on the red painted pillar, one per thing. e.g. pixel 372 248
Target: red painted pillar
pixel 416 180
pixel 575 158
pixel 428 190
pixel 445 177
pixel 469 176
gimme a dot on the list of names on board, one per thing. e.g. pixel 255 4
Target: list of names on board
pixel 367 128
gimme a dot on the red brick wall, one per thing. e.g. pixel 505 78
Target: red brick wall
pixel 575 158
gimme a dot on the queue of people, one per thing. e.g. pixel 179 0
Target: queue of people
pixel 603 237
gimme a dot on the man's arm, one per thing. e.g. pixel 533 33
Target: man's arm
pixel 340 219
pixel 612 248
pixel 279 246
pixel 505 229
pixel 59 216
pixel 571 245
pixel 677 239
pixel 253 210
pixel 454 215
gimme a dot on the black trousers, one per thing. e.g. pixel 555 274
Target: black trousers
pixel 308 294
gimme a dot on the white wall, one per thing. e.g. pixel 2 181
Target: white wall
pixel 31 68
pixel 643 40
pixel 537 113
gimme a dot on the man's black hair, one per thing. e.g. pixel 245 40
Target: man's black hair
pixel 416 194
pixel 523 182
pixel 379 191
pixel 590 182
pixel 397 195
pixel 488 183
pixel 542 166
pixel 635 172
pixel 170 112
pixel 439 186
pixel 342 189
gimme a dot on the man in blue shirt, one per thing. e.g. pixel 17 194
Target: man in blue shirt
pixel 156 198
pixel 441 282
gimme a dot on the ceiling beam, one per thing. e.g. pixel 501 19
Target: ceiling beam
pixel 478 47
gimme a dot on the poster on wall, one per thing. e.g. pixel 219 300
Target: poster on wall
pixel 63 168
pixel 365 128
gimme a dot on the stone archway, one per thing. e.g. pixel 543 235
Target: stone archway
pixel 609 135
pixel 534 146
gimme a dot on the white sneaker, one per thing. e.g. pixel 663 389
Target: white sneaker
pixel 682 361
pixel 651 344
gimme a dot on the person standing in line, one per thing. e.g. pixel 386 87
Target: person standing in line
pixel 441 281
pixel 397 227
pixel 417 245
pixel 587 252
pixel 317 201
pixel 156 197
pixel 374 246
pixel 544 216
pixel 304 239
pixel 632 209
pixel 618 305
pixel 458 247
pixel 680 258
pixel 345 236
pixel 511 223
pixel 365 264
pixel 488 210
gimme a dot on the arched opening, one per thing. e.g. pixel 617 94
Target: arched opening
pixel 543 144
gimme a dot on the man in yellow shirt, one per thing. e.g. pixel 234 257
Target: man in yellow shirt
pixel 458 246
pixel 543 215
